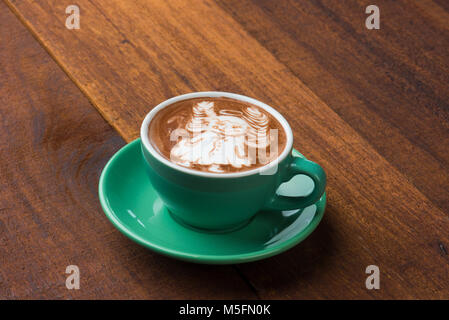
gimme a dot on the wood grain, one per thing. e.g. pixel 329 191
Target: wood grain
pixel 53 146
pixel 393 91
pixel 128 56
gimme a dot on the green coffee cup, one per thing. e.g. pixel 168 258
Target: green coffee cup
pixel 225 201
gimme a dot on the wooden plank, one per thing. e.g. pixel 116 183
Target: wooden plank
pixel 53 146
pixel 128 56
pixel 390 84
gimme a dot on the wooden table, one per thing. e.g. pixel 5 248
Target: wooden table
pixel 371 106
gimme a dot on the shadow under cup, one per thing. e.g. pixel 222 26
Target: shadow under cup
pixel 225 201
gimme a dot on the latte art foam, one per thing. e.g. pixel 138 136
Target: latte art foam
pixel 217 135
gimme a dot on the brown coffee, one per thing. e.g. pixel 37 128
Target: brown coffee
pixel 219 135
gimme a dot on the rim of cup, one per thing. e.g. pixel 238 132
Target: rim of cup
pixel 215 94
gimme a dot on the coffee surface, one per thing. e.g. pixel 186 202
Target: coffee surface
pixel 219 135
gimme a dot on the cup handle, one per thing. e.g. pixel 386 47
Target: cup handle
pixel 301 166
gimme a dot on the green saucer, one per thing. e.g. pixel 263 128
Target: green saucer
pixel 134 208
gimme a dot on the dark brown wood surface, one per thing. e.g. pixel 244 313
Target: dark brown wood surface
pixel 371 106
pixel 53 147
